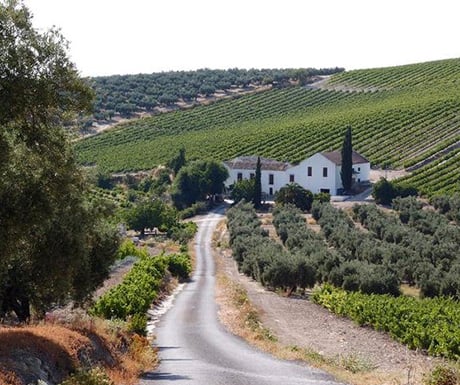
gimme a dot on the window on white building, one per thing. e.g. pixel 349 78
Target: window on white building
pixel 309 171
pixel 239 176
pixel 291 178
pixel 271 179
pixel 325 172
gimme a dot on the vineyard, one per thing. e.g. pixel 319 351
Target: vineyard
pixel 408 114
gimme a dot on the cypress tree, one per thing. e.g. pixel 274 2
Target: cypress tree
pixel 346 172
pixel 257 201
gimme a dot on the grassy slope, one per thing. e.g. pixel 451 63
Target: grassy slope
pixel 412 112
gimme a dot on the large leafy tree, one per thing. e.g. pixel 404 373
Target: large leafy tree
pixel 294 194
pixel 150 214
pixel 346 172
pixel 55 245
pixel 243 189
pixel 198 181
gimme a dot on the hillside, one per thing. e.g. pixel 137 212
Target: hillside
pixel 400 116
pixel 121 97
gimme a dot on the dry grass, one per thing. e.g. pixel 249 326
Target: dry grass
pixel 410 291
pixel 83 343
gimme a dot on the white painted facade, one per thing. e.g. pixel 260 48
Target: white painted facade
pixel 318 173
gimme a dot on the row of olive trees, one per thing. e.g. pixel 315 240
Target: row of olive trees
pixel 364 263
pixel 333 265
pixel 263 259
pixel 424 242
pixel 127 94
pixel 448 206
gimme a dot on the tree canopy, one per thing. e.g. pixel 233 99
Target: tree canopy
pixel 296 195
pixel 197 181
pixel 55 244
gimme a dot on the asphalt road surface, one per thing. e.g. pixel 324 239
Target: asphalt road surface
pixel 194 347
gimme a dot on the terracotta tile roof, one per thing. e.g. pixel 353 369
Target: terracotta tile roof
pixel 250 163
pixel 336 157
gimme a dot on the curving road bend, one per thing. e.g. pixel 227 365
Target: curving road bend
pixel 196 350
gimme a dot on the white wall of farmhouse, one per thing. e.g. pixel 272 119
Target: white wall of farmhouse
pixel 318 173
pixel 362 172
pixel 271 180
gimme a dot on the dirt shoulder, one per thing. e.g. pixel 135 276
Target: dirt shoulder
pixel 299 323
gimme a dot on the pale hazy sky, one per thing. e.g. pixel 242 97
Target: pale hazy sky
pixel 143 36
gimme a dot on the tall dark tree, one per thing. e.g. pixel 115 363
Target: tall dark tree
pixel 55 244
pixel 178 161
pixel 346 172
pixel 258 185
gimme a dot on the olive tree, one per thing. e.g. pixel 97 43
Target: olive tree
pixel 56 245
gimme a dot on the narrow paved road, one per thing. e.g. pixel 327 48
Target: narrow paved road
pixel 196 350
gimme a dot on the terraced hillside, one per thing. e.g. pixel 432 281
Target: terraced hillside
pixel 400 116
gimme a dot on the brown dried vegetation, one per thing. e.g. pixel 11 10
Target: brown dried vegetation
pixel 52 352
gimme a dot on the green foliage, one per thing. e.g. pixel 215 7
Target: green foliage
pixel 429 324
pixel 180 265
pixel 385 191
pixel 395 126
pixel 137 291
pixel 420 244
pixel 131 299
pixel 150 214
pixel 137 323
pixel 127 94
pixel 442 375
pixel 195 209
pixel 183 232
pixel 263 259
pixel 178 161
pixel 128 248
pixel 243 190
pixel 296 195
pixel 322 197
pixel 448 206
pixel 197 181
pixel 346 171
pixel 257 199
pixel 56 245
pixel 94 376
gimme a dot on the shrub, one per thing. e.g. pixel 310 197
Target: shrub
pixel 296 195
pixel 95 376
pixel 179 265
pixel 322 197
pixel 385 191
pixel 136 293
pixel 128 248
pixel 442 375
pixel 183 232
pixel 137 323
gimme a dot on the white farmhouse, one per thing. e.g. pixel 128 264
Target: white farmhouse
pixel 318 173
